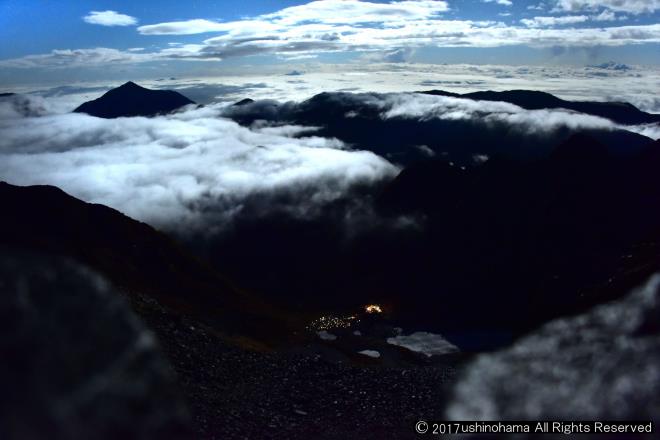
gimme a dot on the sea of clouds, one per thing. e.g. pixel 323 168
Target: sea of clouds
pixel 423 107
pixel 192 169
pixel 420 106
pixel 197 169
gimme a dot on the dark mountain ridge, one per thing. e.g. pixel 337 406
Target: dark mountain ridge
pixel 131 99
pixel 620 112
pixel 533 236
pixel 141 261
pixel 357 120
pixel 494 248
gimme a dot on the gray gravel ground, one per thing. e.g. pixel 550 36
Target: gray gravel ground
pixel 240 394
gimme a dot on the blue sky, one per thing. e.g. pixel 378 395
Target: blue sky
pixel 91 37
pixel 38 26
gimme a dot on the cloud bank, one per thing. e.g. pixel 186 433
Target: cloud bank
pixel 196 168
pixel 191 170
pixel 109 18
pixel 423 107
pixel 327 12
pixel 599 365
pixel 624 82
pixel 553 21
pixel 500 2
pixel 72 58
pixel 361 26
pixel 334 25
pixel 629 6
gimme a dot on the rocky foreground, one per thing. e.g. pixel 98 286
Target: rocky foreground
pixel 238 393
pixel 77 363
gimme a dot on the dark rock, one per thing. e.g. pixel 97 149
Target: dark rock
pixel 76 362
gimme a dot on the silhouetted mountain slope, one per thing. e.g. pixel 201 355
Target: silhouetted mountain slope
pixel 477 254
pixel 357 119
pixel 76 362
pixel 135 257
pixel 131 99
pixel 512 236
pixel 621 112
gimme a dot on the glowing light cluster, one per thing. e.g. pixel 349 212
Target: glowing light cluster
pixel 373 308
pixel 329 322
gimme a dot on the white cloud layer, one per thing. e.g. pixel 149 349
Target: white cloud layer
pixel 610 81
pixel 308 40
pixel 186 170
pixel 500 2
pixel 188 27
pixel 553 21
pixel 605 15
pixel 326 12
pixel 110 18
pixel 307 31
pixel 67 58
pixel 629 6
pixel 540 122
pixel 602 365
pixel 362 26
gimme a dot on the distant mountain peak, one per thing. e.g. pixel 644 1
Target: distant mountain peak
pixel 131 99
pixel 131 84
